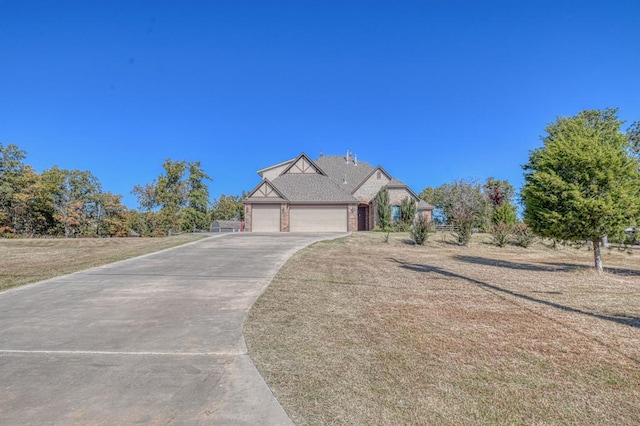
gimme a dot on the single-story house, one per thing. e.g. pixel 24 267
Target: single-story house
pixel 331 194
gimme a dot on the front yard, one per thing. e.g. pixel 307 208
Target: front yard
pixel 359 331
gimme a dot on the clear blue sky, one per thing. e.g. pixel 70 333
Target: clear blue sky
pixel 432 91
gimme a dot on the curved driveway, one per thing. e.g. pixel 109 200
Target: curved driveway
pixel 151 340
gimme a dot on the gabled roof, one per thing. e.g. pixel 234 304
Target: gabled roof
pixel 311 188
pixel 303 165
pixel 330 179
pixel 341 170
pixel 373 171
pixel 266 192
pixel 275 166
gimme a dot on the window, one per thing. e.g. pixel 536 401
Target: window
pixel 395 213
pixel 378 175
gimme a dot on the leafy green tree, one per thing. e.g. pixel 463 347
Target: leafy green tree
pixel 420 230
pixel 112 216
pixel 583 184
pixel 408 211
pixel 167 194
pixel 504 213
pixel 179 202
pixel 12 169
pixel 195 215
pixel 228 207
pixel 383 208
pixel 74 196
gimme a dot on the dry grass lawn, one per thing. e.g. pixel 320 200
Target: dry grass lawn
pixel 359 331
pixel 28 260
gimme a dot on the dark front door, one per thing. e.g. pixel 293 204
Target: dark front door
pixel 362 218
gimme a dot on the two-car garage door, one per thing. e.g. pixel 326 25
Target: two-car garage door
pixel 318 219
pixel 266 218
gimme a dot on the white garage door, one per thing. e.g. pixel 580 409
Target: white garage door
pixel 318 219
pixel 265 218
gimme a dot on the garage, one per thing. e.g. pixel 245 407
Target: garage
pixel 318 219
pixel 265 218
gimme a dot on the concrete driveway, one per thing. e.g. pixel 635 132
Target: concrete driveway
pixel 151 340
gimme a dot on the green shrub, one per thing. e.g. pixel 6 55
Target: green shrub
pixel 400 227
pixel 408 210
pixel 463 223
pixel 505 213
pixel 384 208
pixel 420 230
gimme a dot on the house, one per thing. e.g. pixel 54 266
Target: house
pixel 331 194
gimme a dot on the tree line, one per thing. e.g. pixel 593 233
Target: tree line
pixel 583 184
pixel 71 203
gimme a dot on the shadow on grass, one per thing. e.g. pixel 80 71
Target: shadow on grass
pixel 624 320
pixel 511 265
pixel 544 266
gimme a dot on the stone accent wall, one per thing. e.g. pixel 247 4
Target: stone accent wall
pixel 371 187
pixel 284 217
pixel 352 218
pixel 247 217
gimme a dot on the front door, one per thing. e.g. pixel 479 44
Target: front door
pixel 362 218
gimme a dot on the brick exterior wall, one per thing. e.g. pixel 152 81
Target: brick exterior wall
pixel 397 195
pixel 247 217
pixel 284 217
pixel 371 187
pixel 352 218
pixel 427 214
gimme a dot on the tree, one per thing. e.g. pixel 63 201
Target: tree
pixel 228 207
pixel 74 197
pixel 498 191
pixel 408 210
pixel 584 183
pixel 11 171
pixel 433 196
pixel 504 213
pixel 196 212
pixel 178 202
pixel 420 230
pixel 633 134
pixel 383 208
pixel 465 206
pixel 112 216
pixel 167 194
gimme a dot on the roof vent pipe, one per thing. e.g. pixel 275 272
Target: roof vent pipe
pixel 347 158
pixel 344 180
pixel 355 160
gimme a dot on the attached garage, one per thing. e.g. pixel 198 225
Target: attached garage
pixel 265 218
pixel 318 219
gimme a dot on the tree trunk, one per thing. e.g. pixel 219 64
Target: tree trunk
pixel 597 256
